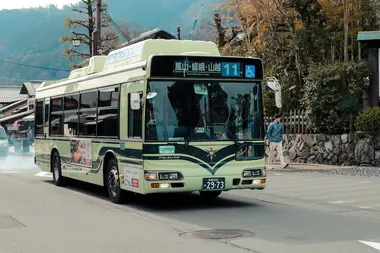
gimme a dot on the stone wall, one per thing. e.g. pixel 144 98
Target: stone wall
pixel 346 149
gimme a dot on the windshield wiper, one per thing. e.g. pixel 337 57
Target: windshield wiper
pixel 238 144
pixel 202 117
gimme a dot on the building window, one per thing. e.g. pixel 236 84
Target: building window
pixel 134 120
pixel 39 118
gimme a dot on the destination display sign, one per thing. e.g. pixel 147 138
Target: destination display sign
pixel 206 67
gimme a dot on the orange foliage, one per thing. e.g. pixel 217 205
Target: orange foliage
pixel 261 20
pixel 254 18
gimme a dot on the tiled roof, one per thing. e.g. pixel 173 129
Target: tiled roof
pixel 30 88
pixel 152 34
pixel 11 93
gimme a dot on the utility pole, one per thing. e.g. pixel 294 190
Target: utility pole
pixel 97 35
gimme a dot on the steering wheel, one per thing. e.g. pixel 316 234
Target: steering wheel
pixel 221 134
pixel 243 151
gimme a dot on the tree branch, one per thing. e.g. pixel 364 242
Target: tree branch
pixel 76 23
pixel 109 39
pixel 79 54
pixel 79 11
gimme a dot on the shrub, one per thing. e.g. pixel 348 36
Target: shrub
pixel 368 120
pixel 332 95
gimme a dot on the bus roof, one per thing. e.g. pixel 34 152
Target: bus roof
pixel 140 52
pixel 143 50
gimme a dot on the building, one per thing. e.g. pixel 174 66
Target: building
pixel 152 34
pixel 10 94
pixel 17 105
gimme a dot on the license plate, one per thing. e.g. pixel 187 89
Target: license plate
pixel 210 184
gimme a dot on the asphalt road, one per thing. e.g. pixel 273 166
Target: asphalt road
pixel 298 212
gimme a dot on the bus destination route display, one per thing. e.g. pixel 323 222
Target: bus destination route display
pixel 206 67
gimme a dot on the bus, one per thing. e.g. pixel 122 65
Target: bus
pixel 158 116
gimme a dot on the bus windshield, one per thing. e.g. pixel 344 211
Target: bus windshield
pixel 204 111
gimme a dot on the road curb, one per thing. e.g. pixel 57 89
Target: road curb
pixel 300 170
pixel 327 168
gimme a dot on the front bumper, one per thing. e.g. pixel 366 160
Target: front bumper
pixel 192 184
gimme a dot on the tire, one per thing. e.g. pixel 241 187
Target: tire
pixel 58 179
pixel 210 194
pixel 115 193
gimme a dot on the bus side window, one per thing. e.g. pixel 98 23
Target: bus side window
pixel 108 113
pixel 134 120
pixel 47 108
pixel 39 120
pixel 56 116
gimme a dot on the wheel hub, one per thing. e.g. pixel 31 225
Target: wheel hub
pixel 113 179
pixel 56 171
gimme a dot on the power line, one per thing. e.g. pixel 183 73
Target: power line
pixel 36 67
pixel 115 25
pixel 13 79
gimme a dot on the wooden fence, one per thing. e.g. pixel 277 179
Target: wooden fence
pixel 295 122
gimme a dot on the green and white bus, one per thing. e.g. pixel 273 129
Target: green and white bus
pixel 159 116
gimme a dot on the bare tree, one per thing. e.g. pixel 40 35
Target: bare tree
pixel 109 38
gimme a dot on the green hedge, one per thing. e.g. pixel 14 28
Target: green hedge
pixel 368 120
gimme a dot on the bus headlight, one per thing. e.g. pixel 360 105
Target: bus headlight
pixel 163 176
pixel 150 176
pixel 247 173
pixel 254 172
pixel 174 176
pixel 169 176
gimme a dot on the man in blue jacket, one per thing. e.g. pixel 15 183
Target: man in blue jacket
pixel 275 135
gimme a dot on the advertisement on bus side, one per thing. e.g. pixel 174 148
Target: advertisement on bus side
pixel 81 152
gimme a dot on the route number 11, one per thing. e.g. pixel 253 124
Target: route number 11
pixel 230 69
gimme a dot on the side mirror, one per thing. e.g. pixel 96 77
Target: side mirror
pixel 151 95
pixel 135 101
pixel 274 85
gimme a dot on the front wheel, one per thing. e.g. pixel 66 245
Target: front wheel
pixel 115 193
pixel 210 194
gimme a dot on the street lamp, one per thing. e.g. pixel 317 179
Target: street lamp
pixel 76 41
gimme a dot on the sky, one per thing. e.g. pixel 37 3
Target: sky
pixel 17 4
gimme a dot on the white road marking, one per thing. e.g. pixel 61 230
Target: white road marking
pixel 44 174
pixel 374 245
pixel 341 201
pixel 365 207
